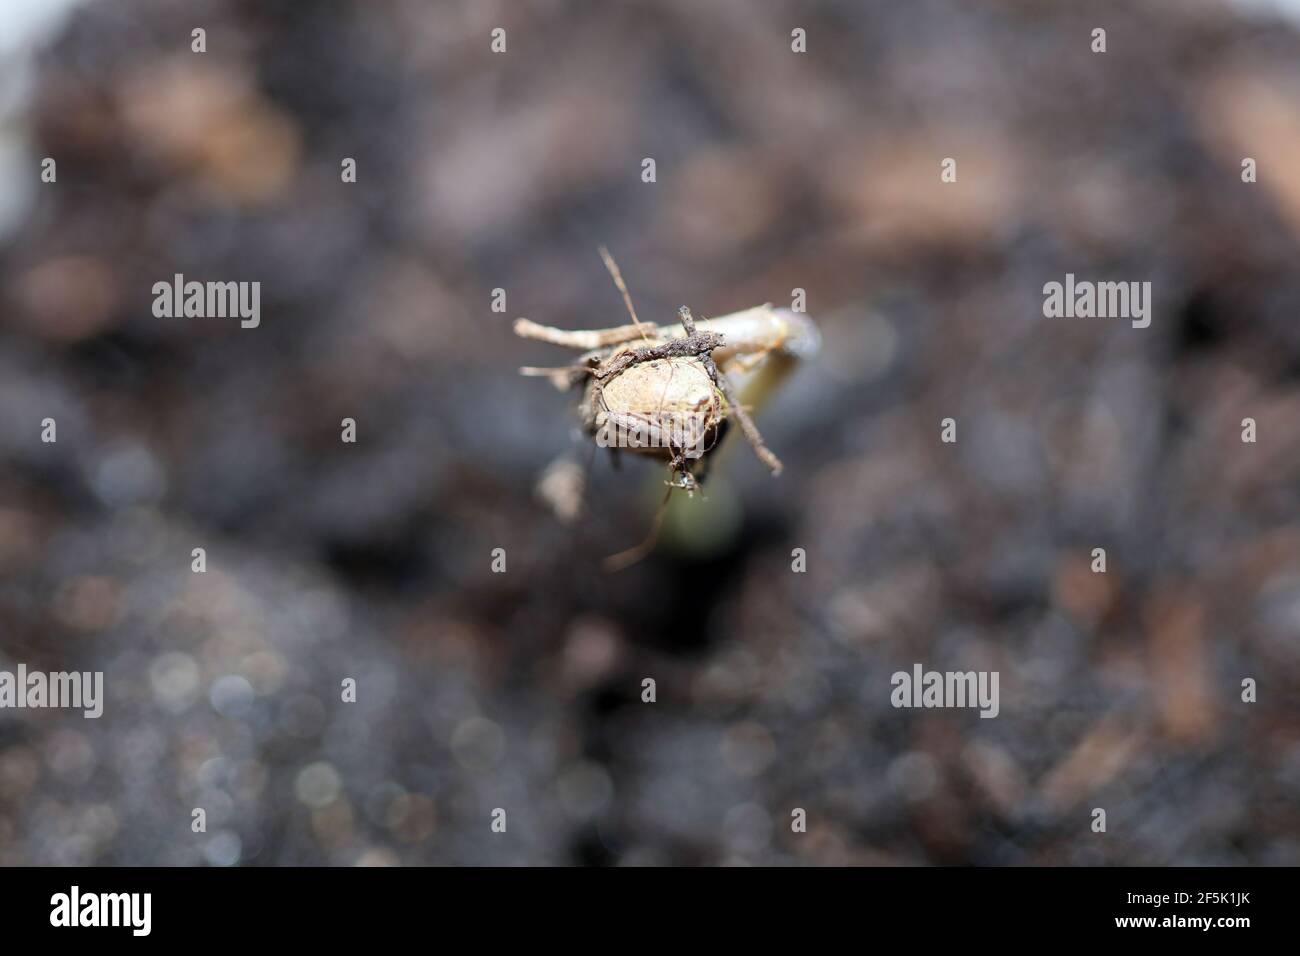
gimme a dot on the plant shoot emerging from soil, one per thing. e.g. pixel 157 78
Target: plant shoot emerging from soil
pixel 651 390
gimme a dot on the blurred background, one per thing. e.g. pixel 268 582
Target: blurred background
pixel 522 690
